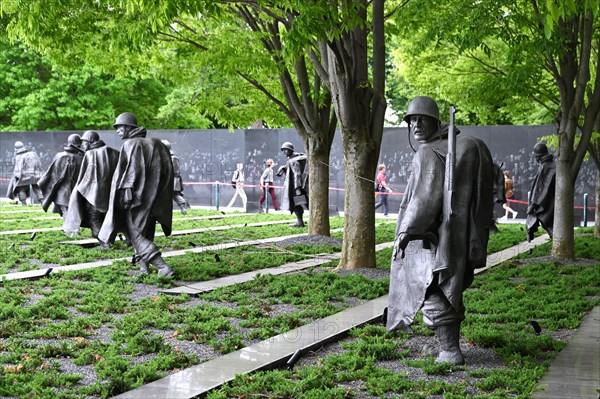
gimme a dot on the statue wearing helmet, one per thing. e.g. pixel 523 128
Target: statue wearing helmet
pixel 141 194
pixel 88 203
pixel 177 181
pixel 443 252
pixel 19 147
pixel 540 209
pixel 423 118
pixel 26 173
pixel 61 176
pixel 89 137
pixel 295 186
pixel 126 119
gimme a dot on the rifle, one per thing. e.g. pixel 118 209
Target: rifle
pixel 444 260
pixel 450 166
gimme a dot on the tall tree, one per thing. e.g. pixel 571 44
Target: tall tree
pixel 344 41
pixel 557 39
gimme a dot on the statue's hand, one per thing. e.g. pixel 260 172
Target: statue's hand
pixel 299 191
pixel 400 245
pixel 281 170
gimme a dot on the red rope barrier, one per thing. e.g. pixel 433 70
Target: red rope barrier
pixel 211 183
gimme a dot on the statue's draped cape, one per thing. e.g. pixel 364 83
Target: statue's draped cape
pixel 458 243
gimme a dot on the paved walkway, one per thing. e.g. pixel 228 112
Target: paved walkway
pixel 575 373
pixel 276 351
pixel 32 274
pixel 206 286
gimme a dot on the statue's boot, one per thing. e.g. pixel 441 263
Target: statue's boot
pixel 144 269
pixel 299 222
pixel 449 336
pixel 163 269
pixel 23 198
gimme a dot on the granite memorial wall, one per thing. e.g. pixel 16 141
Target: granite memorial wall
pixel 208 157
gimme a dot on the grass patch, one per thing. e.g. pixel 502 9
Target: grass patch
pixel 115 324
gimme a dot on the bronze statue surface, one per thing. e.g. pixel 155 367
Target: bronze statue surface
pixel 295 185
pixel 540 209
pixel 141 193
pixel 441 234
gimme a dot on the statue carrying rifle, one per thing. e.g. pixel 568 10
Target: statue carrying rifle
pixel 443 227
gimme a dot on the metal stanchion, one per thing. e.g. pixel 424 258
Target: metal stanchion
pixel 585 205
pixel 217 193
pixel 267 193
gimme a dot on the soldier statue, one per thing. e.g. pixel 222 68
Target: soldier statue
pixel 27 172
pixel 540 210
pixel 89 200
pixel 442 234
pixel 295 186
pixel 141 194
pixel 60 178
pixel 177 182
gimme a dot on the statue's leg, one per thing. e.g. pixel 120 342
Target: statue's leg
pixel 38 192
pixel 299 211
pixel 22 194
pixel 181 202
pixel 147 251
pixel 444 320
pixel 95 218
pixel 62 210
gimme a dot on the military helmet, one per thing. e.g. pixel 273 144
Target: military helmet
pixel 422 105
pixel 166 143
pixel 19 145
pixel 126 119
pixel 540 149
pixel 287 146
pixel 74 140
pixel 91 136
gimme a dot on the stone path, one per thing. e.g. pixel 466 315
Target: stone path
pixel 206 286
pixel 81 266
pixel 41 230
pixel 93 241
pixel 575 373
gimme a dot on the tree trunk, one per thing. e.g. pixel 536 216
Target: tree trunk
pixel 358 249
pixel 563 241
pixel 597 218
pixel 318 164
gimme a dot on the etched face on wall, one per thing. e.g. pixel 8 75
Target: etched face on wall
pixel 424 128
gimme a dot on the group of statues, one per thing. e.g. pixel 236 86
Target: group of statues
pixel 109 191
pixel 129 191
pixel 443 224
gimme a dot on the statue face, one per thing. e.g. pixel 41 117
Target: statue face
pixel 123 131
pixel 287 152
pixel 85 145
pixel 424 128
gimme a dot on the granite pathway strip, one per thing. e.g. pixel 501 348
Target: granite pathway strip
pixel 575 373
pixel 91 240
pixel 107 262
pixel 278 350
pixel 270 353
pixel 206 286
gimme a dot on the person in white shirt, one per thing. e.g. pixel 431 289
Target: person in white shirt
pixel 237 180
